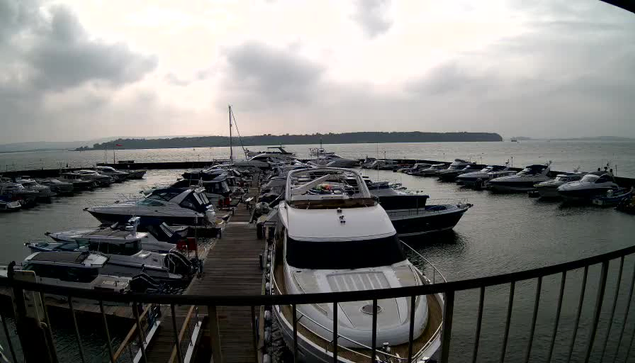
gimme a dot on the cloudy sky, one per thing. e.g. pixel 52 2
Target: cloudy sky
pixel 79 69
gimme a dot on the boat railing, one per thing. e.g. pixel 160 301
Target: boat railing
pixel 601 329
pixel 426 265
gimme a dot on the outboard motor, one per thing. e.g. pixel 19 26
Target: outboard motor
pixel 177 263
pixel 143 282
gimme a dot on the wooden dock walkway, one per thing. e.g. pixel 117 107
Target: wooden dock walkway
pixel 232 267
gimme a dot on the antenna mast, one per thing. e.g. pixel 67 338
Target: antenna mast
pixel 231 149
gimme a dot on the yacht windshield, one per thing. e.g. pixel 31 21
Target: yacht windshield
pixel 590 178
pixel 345 254
pixel 165 195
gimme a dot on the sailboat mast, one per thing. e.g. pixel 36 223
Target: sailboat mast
pixel 231 149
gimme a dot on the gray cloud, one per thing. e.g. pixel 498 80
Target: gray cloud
pixel 262 76
pixel 371 16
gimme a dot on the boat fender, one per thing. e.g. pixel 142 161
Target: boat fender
pixel 268 288
pixel 267 316
pixel 266 358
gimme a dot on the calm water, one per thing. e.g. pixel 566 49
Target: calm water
pixel 501 233
pixel 566 155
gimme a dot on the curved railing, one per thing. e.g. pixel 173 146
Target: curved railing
pixel 448 289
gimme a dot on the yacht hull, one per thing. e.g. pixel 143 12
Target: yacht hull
pixel 409 223
pixel 582 195
pixel 512 187
pixel 108 218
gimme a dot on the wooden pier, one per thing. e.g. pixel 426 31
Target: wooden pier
pixel 232 267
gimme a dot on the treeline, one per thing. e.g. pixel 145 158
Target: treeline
pixel 268 139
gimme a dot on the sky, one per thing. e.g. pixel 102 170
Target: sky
pixel 87 69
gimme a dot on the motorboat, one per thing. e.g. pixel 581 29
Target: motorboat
pixel 383 164
pixel 335 161
pixel 43 192
pixel 57 186
pixel 591 185
pixel 99 178
pixel 450 175
pixel 416 168
pixel 124 238
pixel 478 179
pixel 78 181
pixel 8 205
pixel 452 169
pixel 272 150
pixel 335 237
pixel 613 198
pixel 213 181
pixel 136 174
pixel 16 192
pixel 412 215
pixel 174 206
pixel 549 188
pixel 117 175
pixel 523 181
pixel 433 170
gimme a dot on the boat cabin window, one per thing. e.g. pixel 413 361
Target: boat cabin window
pixel 64 273
pixel 532 170
pixel 150 202
pixel 164 194
pixel 126 249
pixel 190 202
pixel 604 179
pixel 590 178
pixel 344 254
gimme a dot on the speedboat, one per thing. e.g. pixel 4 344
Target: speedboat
pixel 272 150
pixel 416 168
pixel 100 179
pixel 8 205
pixel 117 175
pixel 523 181
pixel 549 188
pixel 411 215
pixel 43 192
pixel 591 185
pixel 57 186
pixel 450 175
pixel 455 166
pixel 477 179
pixel 433 170
pixel 335 237
pixel 174 206
pixel 213 181
pixel 613 198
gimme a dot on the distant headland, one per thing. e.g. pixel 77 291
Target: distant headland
pixel 287 139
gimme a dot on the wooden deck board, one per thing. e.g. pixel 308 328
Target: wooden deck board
pixel 232 267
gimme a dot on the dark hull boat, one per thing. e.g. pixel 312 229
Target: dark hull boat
pixel 411 216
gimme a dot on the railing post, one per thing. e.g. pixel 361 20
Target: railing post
pixel 33 338
pixel 446 334
pixel 598 309
pixel 217 354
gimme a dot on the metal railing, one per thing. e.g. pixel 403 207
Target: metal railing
pixel 591 343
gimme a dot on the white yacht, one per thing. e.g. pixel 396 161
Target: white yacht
pixel 334 237
pixel 174 206
pixel 549 188
pixel 16 192
pixel 433 170
pixel 479 178
pixel 117 175
pixel 43 192
pixel 100 179
pixel 591 185
pixel 523 181
pixel 79 181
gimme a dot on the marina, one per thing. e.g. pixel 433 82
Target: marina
pixel 233 264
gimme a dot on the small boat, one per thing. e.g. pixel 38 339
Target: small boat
pixel 57 186
pixel 174 206
pixel 411 215
pixel 272 150
pixel 136 174
pixel 549 188
pixel 332 240
pixel 523 181
pixel 591 185
pixel 16 192
pixel 478 179
pixel 415 168
pixel 627 205
pixel 613 198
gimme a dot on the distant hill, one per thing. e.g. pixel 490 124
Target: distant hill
pixel 46 145
pixel 268 139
